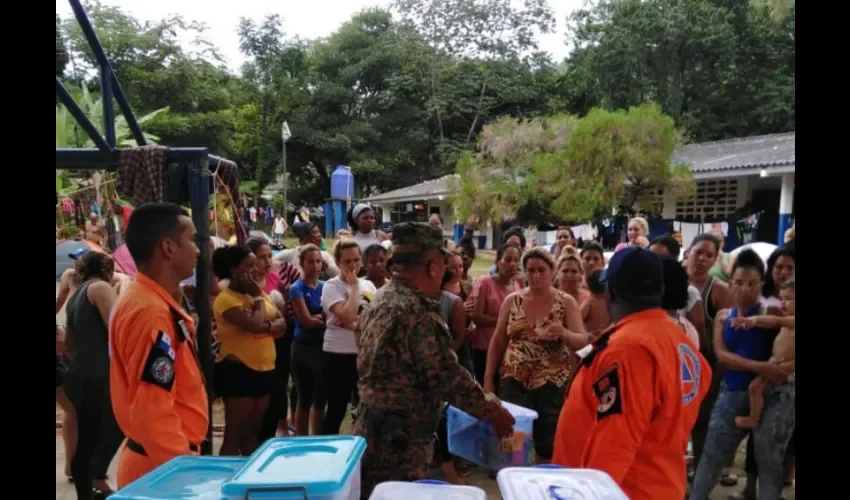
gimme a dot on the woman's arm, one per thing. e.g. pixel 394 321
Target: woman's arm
pixel 577 336
pixel 302 314
pixel 724 355
pixel 458 324
pixel 64 288
pixel 764 321
pixel 252 320
pixel 102 296
pixel 346 311
pixel 498 344
pixel 478 315
pixel 720 295
pixel 696 315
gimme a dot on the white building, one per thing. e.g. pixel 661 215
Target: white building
pixel 730 174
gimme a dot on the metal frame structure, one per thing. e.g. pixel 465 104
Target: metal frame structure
pixel 106 157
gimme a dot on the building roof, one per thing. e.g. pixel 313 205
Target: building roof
pixel 739 157
pixel 707 160
pixel 423 191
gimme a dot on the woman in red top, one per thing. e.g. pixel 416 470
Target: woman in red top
pixel 488 296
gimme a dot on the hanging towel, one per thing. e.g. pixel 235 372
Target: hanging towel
pixel 141 174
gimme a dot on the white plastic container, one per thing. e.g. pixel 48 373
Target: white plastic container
pixel 557 483
pixel 303 468
pixel 426 490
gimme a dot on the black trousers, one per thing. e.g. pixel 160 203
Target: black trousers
pixel 98 434
pixel 339 376
pixel 281 398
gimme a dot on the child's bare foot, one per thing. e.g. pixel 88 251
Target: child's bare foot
pixel 746 422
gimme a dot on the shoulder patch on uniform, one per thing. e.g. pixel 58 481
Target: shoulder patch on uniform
pixel 159 365
pixel 691 373
pixel 608 392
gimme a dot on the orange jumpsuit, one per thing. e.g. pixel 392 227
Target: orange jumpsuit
pixel 156 384
pixel 632 404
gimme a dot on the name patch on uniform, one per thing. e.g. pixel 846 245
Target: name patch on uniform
pixel 607 390
pixel 159 366
pixel 691 373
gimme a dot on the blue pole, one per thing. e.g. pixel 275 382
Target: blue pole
pixel 199 189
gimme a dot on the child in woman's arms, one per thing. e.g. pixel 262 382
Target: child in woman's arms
pixel 783 351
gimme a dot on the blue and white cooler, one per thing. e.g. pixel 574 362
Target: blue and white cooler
pixel 303 468
pixel 183 478
pixel 426 489
pixel 552 482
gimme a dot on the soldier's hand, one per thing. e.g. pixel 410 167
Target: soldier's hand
pixel 502 423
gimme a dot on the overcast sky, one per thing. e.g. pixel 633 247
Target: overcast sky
pixel 308 19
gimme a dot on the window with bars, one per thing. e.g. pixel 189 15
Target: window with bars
pixel 715 198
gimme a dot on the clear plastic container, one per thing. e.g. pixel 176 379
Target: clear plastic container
pixel 183 478
pixel 304 468
pixel 557 483
pixel 474 439
pixel 426 490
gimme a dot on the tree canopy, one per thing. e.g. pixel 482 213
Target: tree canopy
pixel 428 88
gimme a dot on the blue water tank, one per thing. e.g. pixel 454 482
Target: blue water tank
pixel 342 183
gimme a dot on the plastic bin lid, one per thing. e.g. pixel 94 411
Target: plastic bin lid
pixel 321 465
pixel 183 478
pixel 394 490
pixel 554 483
pixel 515 410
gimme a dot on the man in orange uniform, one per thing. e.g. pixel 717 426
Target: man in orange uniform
pixel 635 397
pixel 156 382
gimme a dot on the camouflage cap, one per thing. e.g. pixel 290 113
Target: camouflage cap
pixel 415 238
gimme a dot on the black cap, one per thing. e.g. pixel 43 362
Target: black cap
pixel 634 273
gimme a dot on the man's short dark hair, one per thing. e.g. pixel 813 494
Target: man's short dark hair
pixel 149 224
pixel 670 243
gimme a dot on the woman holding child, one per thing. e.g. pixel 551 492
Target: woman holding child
pixel 742 343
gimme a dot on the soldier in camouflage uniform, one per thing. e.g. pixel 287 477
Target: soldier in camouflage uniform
pixel 407 366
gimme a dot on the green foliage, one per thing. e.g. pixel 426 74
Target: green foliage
pixel 574 168
pixel 406 99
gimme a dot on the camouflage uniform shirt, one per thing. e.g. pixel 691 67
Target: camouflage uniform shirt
pixel 407 371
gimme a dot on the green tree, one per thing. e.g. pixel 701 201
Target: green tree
pixel 572 169
pixel 720 69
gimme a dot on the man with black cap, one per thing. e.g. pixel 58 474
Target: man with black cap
pixel 634 399
pixel 407 366
pixel 308 233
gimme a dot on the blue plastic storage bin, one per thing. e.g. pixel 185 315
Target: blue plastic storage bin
pixel 311 468
pixel 556 483
pixel 426 490
pixel 183 478
pixel 474 439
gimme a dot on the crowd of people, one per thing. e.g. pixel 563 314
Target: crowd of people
pixel 625 362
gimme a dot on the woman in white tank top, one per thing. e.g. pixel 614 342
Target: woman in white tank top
pixel 361 218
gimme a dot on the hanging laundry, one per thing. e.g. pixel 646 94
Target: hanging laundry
pixel 141 174
pixel 688 230
pixel 584 232
pixel 718 226
pixel 252 212
pixel 95 208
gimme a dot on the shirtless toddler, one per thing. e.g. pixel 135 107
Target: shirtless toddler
pixel 783 351
pixel 594 311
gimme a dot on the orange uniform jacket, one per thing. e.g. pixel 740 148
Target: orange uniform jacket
pixel 632 404
pixel 156 383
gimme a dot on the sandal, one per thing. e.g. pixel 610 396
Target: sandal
pixel 729 479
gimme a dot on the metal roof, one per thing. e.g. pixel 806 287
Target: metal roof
pixel 774 153
pixel 739 157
